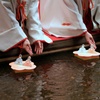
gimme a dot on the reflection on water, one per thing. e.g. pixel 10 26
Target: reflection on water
pixel 58 76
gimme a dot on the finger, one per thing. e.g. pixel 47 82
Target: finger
pixel 29 50
pixel 40 50
pixel 93 43
pixel 38 47
pixel 35 49
pixel 39 44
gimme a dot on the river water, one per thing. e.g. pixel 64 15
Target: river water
pixel 58 76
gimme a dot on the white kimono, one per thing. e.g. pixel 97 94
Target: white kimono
pixel 11 32
pixel 62 18
pixel 95 13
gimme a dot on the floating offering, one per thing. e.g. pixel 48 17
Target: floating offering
pixel 84 54
pixel 22 66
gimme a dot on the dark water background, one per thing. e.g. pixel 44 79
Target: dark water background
pixel 58 76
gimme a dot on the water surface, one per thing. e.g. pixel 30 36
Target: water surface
pixel 58 76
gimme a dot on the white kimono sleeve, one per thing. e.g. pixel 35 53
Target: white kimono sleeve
pixel 62 18
pixel 10 31
pixel 33 24
pixel 95 13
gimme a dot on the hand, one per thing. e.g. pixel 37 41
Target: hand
pixel 27 47
pixel 90 40
pixel 38 47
